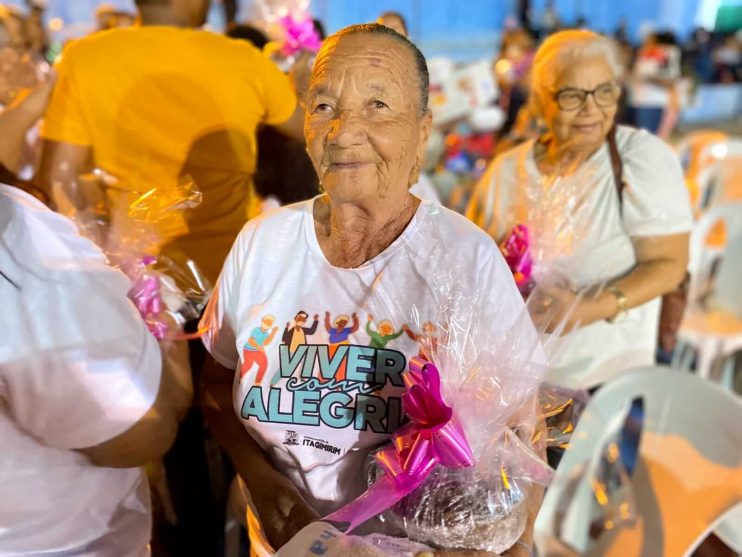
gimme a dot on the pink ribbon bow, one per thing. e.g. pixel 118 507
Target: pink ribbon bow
pixel 516 248
pixel 145 293
pixel 432 437
pixel 300 35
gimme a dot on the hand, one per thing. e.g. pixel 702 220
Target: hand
pixel 288 325
pixel 274 330
pixel 316 317
pixel 370 317
pixel 327 315
pixel 553 306
pixel 281 509
pixel 355 315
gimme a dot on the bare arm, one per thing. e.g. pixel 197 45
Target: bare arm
pixel 280 507
pixel 16 121
pixel 61 164
pixel 661 266
pixel 153 434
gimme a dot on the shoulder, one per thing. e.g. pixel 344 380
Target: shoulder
pixel 230 51
pixel 217 40
pixel 41 238
pixel 276 224
pixel 100 42
pixel 22 210
pixel 456 235
pixel 512 157
pixel 506 166
pixel 634 145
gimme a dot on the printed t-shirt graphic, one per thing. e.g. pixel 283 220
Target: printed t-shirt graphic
pixel 254 350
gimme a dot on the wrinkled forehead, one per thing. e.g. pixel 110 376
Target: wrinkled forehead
pixel 364 54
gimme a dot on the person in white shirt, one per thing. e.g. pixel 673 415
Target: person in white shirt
pixel 624 246
pixel 367 248
pixel 86 397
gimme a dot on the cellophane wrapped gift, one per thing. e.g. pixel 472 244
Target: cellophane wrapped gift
pixel 491 384
pixel 469 458
pixel 131 224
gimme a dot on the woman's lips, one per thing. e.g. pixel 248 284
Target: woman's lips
pixel 347 165
pixel 586 128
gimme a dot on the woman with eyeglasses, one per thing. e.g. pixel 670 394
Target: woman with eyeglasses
pixel 615 205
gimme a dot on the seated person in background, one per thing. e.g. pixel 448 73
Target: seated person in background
pixel 627 223
pixel 86 397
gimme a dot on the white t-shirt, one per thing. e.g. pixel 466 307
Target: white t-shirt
pixel 593 241
pixel 318 411
pixel 425 190
pixel 77 368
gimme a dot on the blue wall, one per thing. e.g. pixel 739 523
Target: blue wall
pixel 462 29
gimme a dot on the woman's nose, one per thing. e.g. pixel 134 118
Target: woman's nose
pixel 347 130
pixel 589 106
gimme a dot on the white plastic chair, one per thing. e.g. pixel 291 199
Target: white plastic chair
pixel 715 331
pixel 687 478
pixel 726 182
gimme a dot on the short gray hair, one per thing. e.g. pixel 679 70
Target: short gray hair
pixel 564 48
pixel 423 78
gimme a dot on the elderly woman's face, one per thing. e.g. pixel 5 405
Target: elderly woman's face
pixel 588 125
pixel 363 127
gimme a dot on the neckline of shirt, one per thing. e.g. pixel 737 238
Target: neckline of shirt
pixel 532 167
pixel 398 243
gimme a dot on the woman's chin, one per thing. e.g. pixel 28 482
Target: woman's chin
pixel 349 190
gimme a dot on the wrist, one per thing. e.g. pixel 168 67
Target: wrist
pixel 520 549
pixel 619 303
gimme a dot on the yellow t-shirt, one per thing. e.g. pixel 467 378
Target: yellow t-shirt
pixel 157 103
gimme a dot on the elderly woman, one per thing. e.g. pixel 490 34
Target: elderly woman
pixel 629 245
pixel 366 247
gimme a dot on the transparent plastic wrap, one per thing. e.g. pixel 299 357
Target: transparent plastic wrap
pixel 554 215
pixel 461 472
pixel 131 225
pixel 557 265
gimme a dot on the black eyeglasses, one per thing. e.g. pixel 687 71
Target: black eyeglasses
pixel 572 98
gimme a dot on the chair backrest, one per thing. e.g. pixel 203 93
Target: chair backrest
pixel 728 280
pixel 687 477
pixel 694 150
pixel 725 184
pixel 725 218
pixel 734 147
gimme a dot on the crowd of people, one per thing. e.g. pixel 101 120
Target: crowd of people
pixel 334 264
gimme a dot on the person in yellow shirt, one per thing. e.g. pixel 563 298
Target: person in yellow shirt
pixel 154 103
